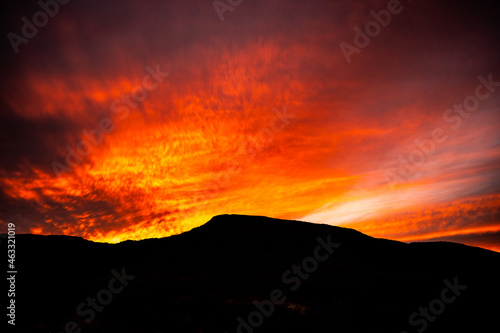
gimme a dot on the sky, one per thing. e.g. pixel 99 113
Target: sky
pixel 137 119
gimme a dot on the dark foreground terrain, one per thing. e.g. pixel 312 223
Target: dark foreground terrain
pixel 207 278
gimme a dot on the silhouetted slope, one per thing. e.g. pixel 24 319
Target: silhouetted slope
pixel 202 280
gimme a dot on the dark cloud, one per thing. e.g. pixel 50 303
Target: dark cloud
pixel 486 239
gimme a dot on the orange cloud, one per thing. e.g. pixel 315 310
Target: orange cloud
pixel 259 115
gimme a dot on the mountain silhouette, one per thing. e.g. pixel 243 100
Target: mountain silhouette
pixel 255 274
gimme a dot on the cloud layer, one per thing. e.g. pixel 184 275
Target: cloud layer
pixel 259 114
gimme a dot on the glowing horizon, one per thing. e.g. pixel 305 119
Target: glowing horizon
pixel 149 123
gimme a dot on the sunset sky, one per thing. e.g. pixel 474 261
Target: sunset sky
pixel 137 119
